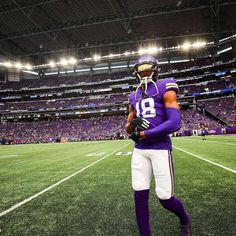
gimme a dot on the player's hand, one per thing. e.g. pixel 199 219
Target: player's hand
pixel 141 123
pixel 135 136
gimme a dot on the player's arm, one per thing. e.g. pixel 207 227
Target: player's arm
pixel 129 127
pixel 172 123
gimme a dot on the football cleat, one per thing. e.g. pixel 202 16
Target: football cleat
pixel 185 230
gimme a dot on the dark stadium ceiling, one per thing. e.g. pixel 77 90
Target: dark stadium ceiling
pixel 40 30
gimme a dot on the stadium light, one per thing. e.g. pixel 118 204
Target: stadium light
pixel 199 44
pixel 152 50
pixel 52 63
pixel 64 62
pixel 111 55
pixel 72 61
pixel 141 51
pixel 7 64
pixel 87 59
pixel 28 66
pixel 186 46
pixel 149 50
pixel 96 57
pixel 126 53
pixel 18 65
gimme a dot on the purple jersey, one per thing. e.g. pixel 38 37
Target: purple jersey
pixel 152 108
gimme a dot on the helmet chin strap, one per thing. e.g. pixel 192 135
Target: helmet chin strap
pixel 145 81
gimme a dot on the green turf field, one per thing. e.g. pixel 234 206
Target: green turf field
pixel 99 199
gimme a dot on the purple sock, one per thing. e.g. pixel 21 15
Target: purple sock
pixel 142 211
pixel 175 205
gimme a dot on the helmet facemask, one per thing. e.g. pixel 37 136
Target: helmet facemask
pixel 146 73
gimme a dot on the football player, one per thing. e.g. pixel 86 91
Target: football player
pixel 154 114
pixel 204 132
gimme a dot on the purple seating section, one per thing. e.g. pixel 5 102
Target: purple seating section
pixel 90 128
pixel 95 128
pixel 107 99
pixel 64 103
pixel 208 86
pixel 191 119
pixel 105 127
pixel 60 81
pixel 221 107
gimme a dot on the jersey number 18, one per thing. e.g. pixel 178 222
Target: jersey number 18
pixel 147 108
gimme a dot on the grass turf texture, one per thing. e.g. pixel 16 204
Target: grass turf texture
pixel 99 200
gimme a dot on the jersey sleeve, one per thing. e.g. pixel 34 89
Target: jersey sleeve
pixel 131 100
pixel 170 84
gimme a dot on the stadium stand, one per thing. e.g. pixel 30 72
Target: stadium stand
pixel 107 94
pixel 94 128
pixel 223 107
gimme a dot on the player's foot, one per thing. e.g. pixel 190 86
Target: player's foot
pixel 185 230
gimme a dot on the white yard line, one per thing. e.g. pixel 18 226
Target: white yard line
pixel 56 184
pixel 7 156
pixel 204 159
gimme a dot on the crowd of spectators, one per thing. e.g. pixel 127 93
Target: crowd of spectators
pixel 88 101
pixel 224 108
pixel 95 128
pixel 193 120
pixel 61 81
pixel 208 86
pixel 63 103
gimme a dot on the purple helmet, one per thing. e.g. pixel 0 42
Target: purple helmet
pixel 144 64
pixel 146 59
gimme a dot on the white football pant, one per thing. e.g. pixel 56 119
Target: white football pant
pixel 148 162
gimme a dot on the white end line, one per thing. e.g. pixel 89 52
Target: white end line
pixel 212 162
pixel 54 185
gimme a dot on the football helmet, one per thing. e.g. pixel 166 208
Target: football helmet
pixel 145 70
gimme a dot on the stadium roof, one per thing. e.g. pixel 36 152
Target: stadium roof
pixel 39 30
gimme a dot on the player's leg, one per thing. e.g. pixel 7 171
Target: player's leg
pixel 164 180
pixel 141 179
